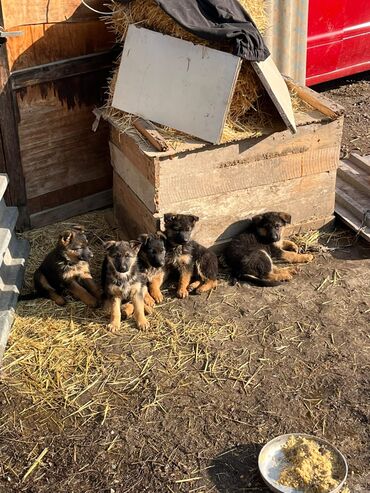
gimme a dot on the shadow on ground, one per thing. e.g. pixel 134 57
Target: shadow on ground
pixel 236 470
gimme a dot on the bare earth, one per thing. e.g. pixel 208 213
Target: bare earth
pixel 187 406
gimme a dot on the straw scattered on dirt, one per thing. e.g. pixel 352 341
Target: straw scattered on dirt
pixel 186 405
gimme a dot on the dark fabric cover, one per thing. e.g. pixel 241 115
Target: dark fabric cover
pixel 218 20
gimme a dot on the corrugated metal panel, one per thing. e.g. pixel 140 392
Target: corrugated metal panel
pixel 286 37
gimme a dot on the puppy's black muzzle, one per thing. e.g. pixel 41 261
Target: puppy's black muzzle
pixel 86 255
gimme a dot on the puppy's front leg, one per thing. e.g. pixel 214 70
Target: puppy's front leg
pixel 81 294
pixel 185 278
pixel 115 314
pixel 290 245
pixel 295 258
pixel 155 288
pixel 138 295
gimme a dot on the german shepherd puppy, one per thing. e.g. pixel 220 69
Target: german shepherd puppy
pixel 66 268
pixel 152 259
pixel 249 255
pixel 188 257
pixel 122 281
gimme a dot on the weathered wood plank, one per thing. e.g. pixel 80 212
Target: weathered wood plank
pixel 58 147
pixel 46 43
pixel 130 213
pixel 354 176
pixel 65 211
pixel 10 147
pixel 223 216
pixel 352 221
pixel 20 12
pixel 275 158
pixel 148 166
pixel 136 181
pixel 62 69
pixel 69 194
pixel 362 161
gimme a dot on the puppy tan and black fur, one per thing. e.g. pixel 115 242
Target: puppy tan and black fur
pixel 250 254
pixel 123 282
pixel 197 265
pixel 66 269
pixel 152 259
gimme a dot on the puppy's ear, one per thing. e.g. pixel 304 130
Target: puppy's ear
pixel 66 237
pixel 194 219
pixel 257 219
pixel 135 245
pixel 161 235
pixel 108 244
pixel 79 228
pixel 143 239
pixel 168 217
pixel 286 218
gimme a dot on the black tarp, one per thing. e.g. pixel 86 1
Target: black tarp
pixel 218 20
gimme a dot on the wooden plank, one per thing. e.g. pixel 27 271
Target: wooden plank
pixel 348 218
pixel 195 95
pixel 133 178
pixel 150 133
pixel 223 216
pixel 46 43
pixel 148 166
pixel 62 69
pixel 11 157
pixel 315 99
pixel 362 199
pixel 65 211
pixel 237 166
pixel 276 88
pixel 130 213
pixel 362 161
pixel 58 143
pixel 21 12
pixel 354 176
pixel 352 205
pixel 69 194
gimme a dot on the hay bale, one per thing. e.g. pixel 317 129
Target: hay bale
pixel 148 14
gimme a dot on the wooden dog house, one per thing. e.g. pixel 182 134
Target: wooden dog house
pixel 224 184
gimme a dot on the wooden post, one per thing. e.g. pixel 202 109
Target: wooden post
pixel 10 161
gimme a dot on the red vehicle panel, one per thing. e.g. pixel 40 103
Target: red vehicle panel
pixel 338 41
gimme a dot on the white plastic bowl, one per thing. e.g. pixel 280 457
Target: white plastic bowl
pixel 271 461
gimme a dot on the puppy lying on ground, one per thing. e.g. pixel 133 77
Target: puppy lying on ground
pixel 189 258
pixel 66 268
pixel 122 281
pixel 249 255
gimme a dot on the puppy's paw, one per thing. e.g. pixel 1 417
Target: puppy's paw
pixel 149 300
pixel 306 257
pixel 60 301
pixel 158 297
pixel 92 302
pixel 112 327
pixel 193 286
pixel 182 293
pixel 143 324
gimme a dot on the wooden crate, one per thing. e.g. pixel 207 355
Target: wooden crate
pixel 227 183
pixel 51 77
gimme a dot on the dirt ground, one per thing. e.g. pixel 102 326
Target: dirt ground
pixel 187 406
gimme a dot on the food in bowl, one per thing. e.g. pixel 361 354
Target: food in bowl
pixel 310 467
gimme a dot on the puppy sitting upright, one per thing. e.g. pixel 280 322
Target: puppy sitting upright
pixel 249 255
pixel 66 268
pixel 152 259
pixel 188 257
pixel 122 281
